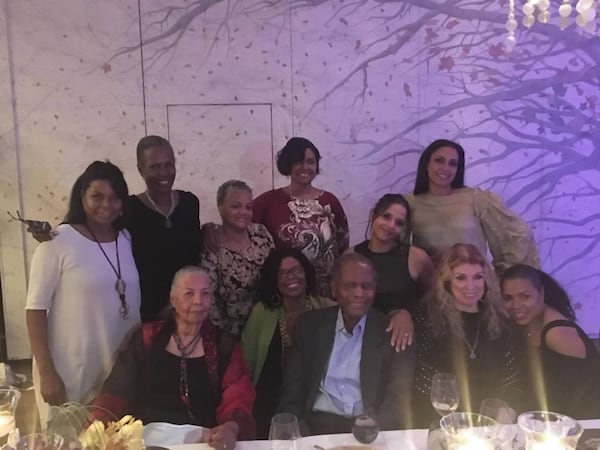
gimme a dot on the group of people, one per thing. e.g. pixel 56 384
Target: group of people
pixel 272 311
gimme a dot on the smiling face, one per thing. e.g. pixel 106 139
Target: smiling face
pixel 524 302
pixel 442 167
pixel 101 204
pixel 388 226
pixel 304 172
pixel 354 290
pixel 291 279
pixel 191 297
pixel 236 209
pixel 157 168
pixel 467 286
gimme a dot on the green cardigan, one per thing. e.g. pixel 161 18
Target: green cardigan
pixel 259 330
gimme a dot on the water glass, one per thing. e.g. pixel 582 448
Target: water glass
pixel 469 431
pixel 546 430
pixel 40 441
pixel 498 410
pixel 284 432
pixel 444 393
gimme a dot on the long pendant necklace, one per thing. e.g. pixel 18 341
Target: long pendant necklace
pixel 185 351
pixel 167 216
pixel 120 286
pixel 472 348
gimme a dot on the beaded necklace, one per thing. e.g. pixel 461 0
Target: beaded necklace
pixel 186 351
pixel 286 341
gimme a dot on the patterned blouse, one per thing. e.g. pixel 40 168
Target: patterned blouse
pixel 317 227
pixel 234 276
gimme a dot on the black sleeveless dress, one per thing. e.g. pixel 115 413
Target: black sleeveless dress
pixel 395 287
pixel 561 383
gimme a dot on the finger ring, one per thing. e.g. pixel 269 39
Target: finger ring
pixel 405 334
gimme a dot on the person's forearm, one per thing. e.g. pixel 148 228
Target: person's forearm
pixel 37 327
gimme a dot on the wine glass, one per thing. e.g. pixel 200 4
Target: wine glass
pixel 444 393
pixel 284 432
pixel 498 410
pixel 365 428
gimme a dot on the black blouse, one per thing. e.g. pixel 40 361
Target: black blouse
pixel 160 251
pixel 561 383
pixel 493 373
pixel 395 287
pixel 162 399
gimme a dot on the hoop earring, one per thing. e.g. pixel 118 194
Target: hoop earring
pixel 276 299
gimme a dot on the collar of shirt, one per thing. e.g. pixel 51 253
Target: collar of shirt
pixel 340 327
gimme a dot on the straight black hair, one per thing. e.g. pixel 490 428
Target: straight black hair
pixel 422 180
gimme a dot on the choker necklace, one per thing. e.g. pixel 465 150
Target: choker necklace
pixel 472 348
pixel 186 351
pixel 168 223
pixel 120 284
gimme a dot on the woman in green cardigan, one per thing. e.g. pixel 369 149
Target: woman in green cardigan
pixel 286 289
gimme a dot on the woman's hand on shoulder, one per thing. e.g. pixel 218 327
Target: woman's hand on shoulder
pixel 402 329
pixel 566 341
pixel 420 266
pixel 210 237
pixel 222 437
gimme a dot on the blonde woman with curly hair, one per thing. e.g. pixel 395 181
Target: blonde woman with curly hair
pixel 462 328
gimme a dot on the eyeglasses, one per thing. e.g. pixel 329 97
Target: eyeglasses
pixel 297 271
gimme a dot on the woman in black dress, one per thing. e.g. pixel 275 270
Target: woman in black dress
pixel 560 361
pixel 164 225
pixel 403 270
pixel 463 329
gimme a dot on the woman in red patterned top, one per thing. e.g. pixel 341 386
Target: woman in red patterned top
pixel 303 216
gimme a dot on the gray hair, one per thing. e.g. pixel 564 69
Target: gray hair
pixel 351 257
pixel 186 270
pixel 229 185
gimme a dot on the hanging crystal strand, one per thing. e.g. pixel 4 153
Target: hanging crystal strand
pixel 528 12
pixel 587 14
pixel 564 11
pixel 511 26
pixel 544 11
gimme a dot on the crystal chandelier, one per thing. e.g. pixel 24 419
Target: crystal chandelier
pixel 541 10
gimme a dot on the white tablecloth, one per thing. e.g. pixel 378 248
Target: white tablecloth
pixel 388 440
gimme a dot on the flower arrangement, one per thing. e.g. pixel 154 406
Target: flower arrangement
pixel 124 434
pixel 81 429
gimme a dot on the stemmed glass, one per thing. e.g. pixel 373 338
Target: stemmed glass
pixel 284 432
pixel 444 393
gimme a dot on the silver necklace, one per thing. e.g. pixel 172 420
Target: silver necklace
pixel 120 286
pixel 168 223
pixel 472 348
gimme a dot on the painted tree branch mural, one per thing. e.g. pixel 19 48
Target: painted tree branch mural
pixel 395 74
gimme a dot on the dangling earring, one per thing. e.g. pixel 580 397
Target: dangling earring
pixel 276 299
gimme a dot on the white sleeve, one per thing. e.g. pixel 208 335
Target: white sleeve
pixel 44 276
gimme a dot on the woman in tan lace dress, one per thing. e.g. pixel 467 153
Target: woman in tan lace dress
pixel 445 212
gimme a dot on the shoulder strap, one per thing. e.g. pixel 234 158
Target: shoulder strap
pixel 557 323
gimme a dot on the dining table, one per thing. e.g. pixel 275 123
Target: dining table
pixel 415 439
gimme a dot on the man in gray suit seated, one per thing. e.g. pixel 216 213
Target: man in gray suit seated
pixel 342 363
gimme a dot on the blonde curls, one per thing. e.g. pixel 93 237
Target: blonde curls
pixel 443 315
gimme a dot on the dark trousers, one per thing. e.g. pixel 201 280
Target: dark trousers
pixel 319 422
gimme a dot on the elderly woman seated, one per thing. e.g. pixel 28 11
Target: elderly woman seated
pixel 184 371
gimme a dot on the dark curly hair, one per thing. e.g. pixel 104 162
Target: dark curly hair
pixel 422 180
pixel 269 273
pixel 293 152
pixel 554 294
pixel 98 170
